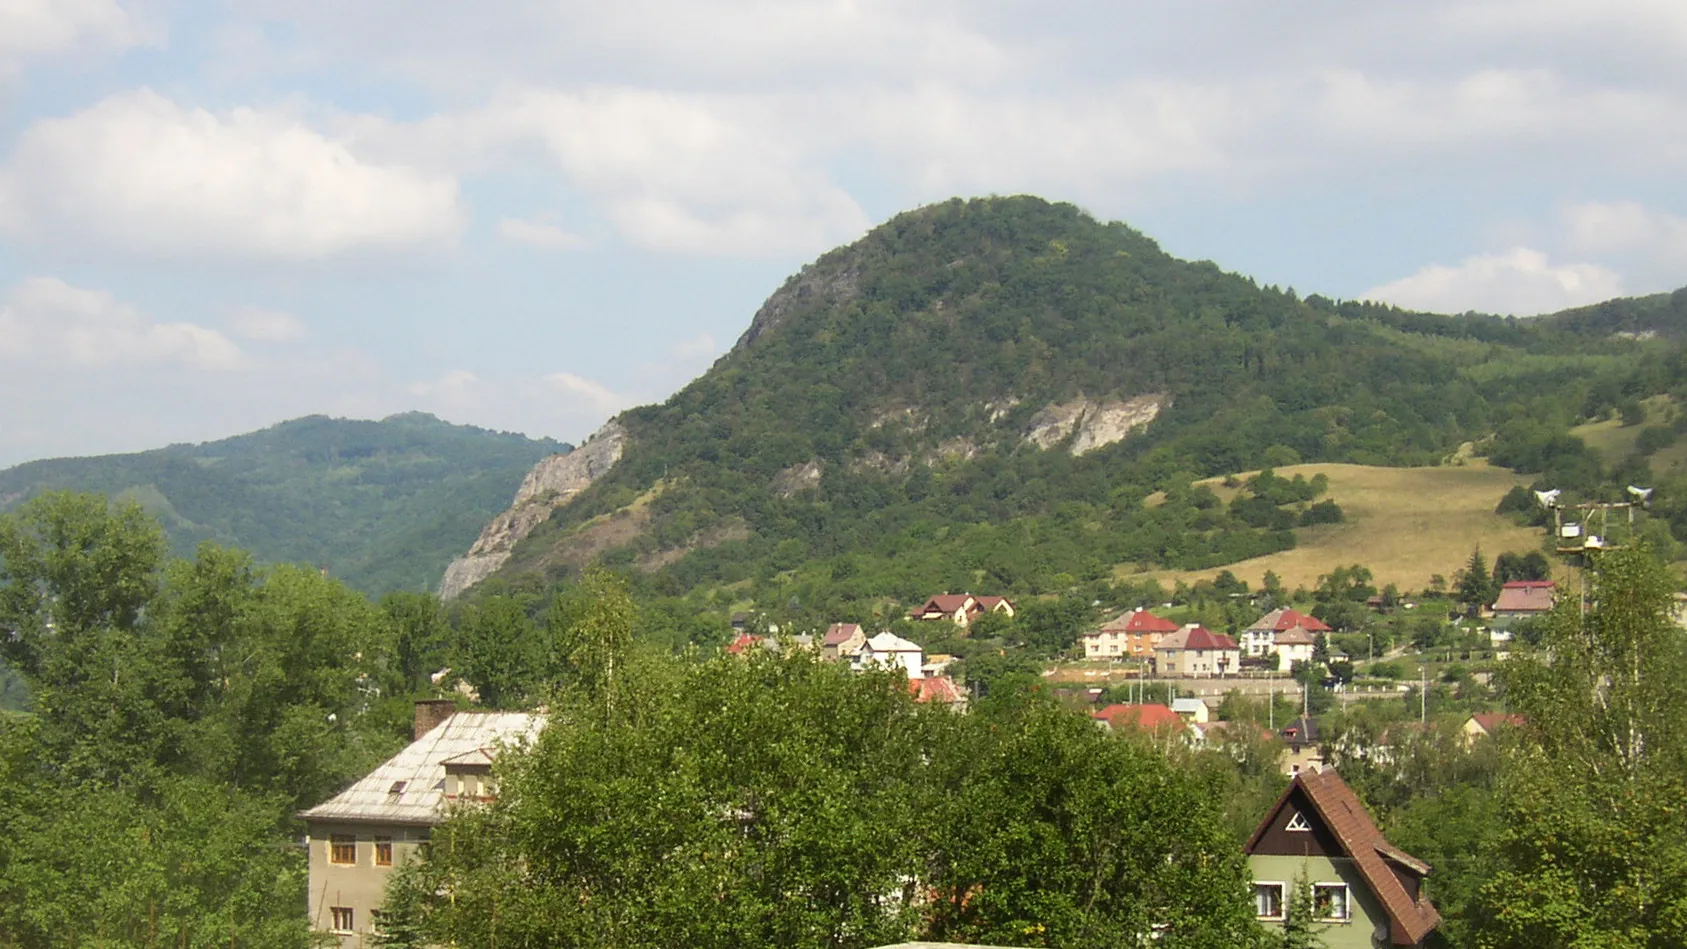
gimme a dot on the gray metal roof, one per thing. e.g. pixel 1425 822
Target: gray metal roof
pixel 410 787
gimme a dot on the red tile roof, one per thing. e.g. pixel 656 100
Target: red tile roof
pixel 1145 717
pixel 991 602
pixel 1197 637
pixel 1278 620
pixel 1409 920
pixel 743 642
pixel 936 689
pixel 1140 620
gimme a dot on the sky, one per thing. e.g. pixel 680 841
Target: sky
pixel 528 215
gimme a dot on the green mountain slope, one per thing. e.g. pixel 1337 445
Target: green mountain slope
pixel 984 394
pixel 384 505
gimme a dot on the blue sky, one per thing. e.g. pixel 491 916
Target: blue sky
pixel 528 215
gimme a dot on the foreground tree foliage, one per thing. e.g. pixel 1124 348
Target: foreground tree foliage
pixel 183 711
pixel 788 802
pixel 1592 849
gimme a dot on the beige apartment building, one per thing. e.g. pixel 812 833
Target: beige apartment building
pixel 358 837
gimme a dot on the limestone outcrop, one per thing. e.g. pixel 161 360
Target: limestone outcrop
pixel 551 484
pixel 1093 424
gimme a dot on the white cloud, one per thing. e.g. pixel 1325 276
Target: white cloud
pixel 43 27
pixel 680 172
pixel 1626 227
pixel 1520 282
pixel 541 235
pixel 45 322
pixel 593 394
pixel 267 326
pixel 140 175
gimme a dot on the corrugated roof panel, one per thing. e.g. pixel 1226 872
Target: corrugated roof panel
pixel 409 788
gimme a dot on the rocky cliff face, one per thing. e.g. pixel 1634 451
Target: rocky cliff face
pixel 1092 424
pixel 551 484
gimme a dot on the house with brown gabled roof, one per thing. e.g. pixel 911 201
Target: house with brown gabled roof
pixel 961 608
pixel 1131 635
pixel 1366 892
pixel 842 640
pixel 1524 599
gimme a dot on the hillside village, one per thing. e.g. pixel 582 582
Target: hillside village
pixel 1186 687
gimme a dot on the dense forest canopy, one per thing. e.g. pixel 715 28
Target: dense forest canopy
pixel 384 505
pixel 868 437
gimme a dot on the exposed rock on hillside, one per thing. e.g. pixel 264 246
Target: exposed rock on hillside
pixel 797 479
pixel 551 484
pixel 827 281
pixel 1091 424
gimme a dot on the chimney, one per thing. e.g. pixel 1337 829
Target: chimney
pixel 429 713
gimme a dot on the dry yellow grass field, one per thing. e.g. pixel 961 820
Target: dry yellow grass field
pixel 1405 524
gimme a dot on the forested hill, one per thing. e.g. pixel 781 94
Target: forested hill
pixel 381 504
pixel 982 394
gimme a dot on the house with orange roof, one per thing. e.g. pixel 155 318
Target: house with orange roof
pixel 1156 719
pixel 1131 635
pixel 939 690
pixel 1366 892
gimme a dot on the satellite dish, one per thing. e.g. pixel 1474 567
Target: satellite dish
pixel 1643 495
pixel 1548 498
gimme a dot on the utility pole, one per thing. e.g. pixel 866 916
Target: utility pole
pixel 1271 698
pixel 1423 696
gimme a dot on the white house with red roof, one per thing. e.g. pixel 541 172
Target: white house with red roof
pixel 1260 638
pixel 1197 651
pixel 1131 635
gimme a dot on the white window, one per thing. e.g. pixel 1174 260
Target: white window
pixel 1330 901
pixel 1268 900
pixel 344 918
pixel 1298 822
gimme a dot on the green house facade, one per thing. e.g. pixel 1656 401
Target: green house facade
pixel 1365 892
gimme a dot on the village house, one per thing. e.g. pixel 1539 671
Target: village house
pixel 1304 748
pixel 939 690
pixel 1260 638
pixel 1293 645
pixel 1196 651
pixel 1191 710
pixel 358 837
pixel 890 651
pixel 1366 892
pixel 1485 724
pixel 1132 635
pixel 842 640
pixel 961 608
pixel 1523 600
pixel 1154 719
